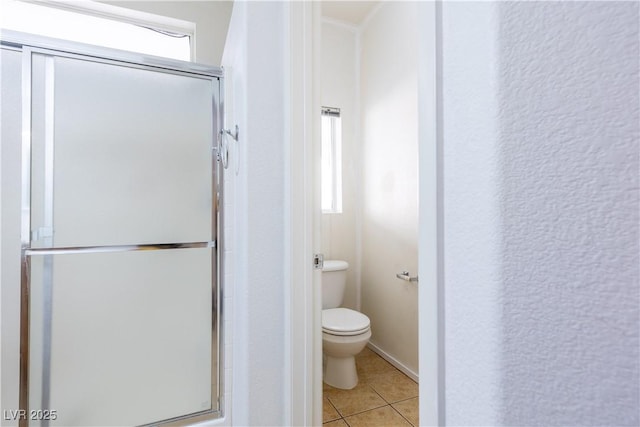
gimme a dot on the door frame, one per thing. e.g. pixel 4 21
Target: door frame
pixel 305 340
pixel 304 384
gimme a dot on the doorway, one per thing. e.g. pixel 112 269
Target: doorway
pixel 429 219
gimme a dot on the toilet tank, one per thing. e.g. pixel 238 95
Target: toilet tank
pixel 334 280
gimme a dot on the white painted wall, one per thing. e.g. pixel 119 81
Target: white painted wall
pixel 210 16
pixel 340 231
pixel 389 151
pixel 371 73
pixel 540 127
pixel 256 57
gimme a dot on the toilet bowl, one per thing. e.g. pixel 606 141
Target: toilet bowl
pixel 345 332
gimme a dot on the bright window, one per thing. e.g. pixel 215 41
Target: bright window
pixel 331 160
pixel 102 25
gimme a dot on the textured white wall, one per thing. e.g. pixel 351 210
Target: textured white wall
pixel 471 214
pixel 540 126
pixel 339 89
pixel 389 108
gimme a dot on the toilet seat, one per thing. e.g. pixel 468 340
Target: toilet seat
pixel 344 322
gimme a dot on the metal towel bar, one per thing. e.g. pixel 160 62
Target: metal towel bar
pixel 407 277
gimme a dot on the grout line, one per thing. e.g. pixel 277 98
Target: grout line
pixel 374 390
pixel 344 418
pixel 366 410
pixel 404 400
pixel 336 409
pixel 373 409
pixel 387 403
pixel 400 413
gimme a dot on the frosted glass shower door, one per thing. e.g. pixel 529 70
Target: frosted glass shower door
pixel 121 254
pixel 130 336
pixel 126 154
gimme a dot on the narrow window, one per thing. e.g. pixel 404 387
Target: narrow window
pixel 101 25
pixel 331 169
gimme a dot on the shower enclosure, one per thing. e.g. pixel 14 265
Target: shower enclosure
pixel 110 197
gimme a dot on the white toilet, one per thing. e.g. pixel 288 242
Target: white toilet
pixel 345 332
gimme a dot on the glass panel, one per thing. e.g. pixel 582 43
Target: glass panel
pixel 327 165
pixel 331 164
pixel 47 20
pixel 132 160
pixel 131 336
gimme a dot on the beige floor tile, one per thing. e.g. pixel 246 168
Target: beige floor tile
pixel 409 410
pixel 329 413
pixel 359 399
pixel 394 386
pixel 336 423
pixel 369 365
pixel 326 387
pixel 381 417
pixel 327 390
pixel 365 352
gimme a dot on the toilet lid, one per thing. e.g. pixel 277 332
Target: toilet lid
pixel 343 321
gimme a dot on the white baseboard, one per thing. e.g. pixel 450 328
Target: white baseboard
pixel 395 362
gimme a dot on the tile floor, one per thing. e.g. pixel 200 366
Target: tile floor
pixel 384 396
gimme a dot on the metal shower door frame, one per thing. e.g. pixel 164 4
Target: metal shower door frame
pixel 30 45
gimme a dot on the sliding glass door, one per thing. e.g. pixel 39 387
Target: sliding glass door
pixel 119 308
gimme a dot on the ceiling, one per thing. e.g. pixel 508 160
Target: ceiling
pixel 350 12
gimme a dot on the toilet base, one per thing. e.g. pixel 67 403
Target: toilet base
pixel 340 351
pixel 340 372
